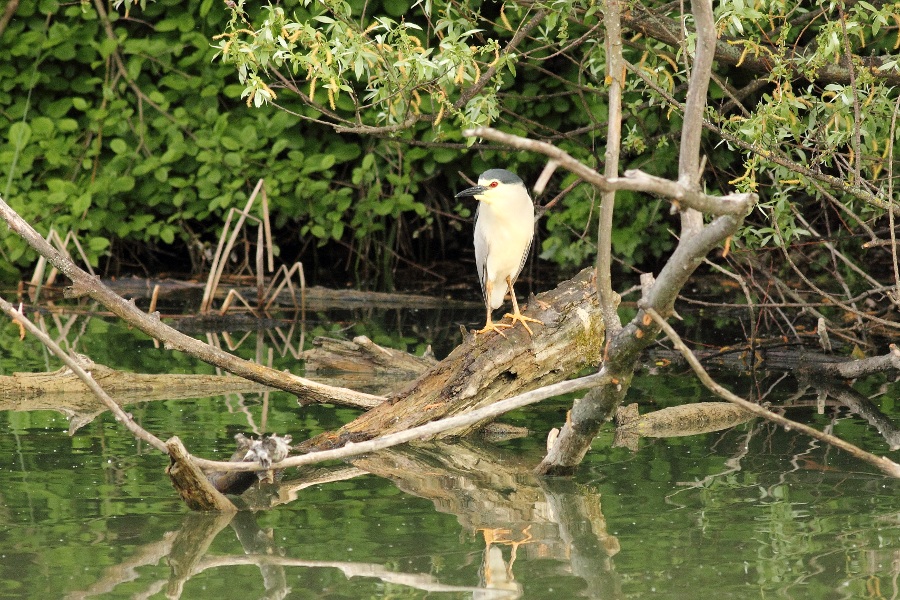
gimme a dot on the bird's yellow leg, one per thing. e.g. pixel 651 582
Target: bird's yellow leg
pixel 516 314
pixel 489 324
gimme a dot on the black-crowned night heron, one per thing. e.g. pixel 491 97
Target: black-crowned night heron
pixel 504 228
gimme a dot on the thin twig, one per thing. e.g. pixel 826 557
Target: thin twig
pixel 123 71
pixel 885 464
pixel 842 305
pixel 857 119
pixel 896 296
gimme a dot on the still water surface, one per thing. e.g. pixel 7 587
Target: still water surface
pixel 755 512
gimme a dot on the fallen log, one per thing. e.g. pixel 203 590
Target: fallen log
pixel 63 391
pixel 676 421
pixel 41 391
pixel 362 355
pixel 490 367
pixel 315 297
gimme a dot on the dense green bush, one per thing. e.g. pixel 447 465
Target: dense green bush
pixel 141 144
pixel 144 141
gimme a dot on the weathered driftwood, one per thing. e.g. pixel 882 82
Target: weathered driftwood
pixel 63 391
pixel 363 365
pixel 362 355
pixel 676 421
pixel 488 368
pixel 191 483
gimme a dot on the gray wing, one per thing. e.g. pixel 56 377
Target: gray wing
pixel 524 258
pixel 481 252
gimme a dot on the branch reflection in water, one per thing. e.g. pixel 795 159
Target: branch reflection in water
pixel 491 494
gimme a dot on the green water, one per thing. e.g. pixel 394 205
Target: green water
pixel 755 512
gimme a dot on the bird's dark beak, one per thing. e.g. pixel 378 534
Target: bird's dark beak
pixel 472 191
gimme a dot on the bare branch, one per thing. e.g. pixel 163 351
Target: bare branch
pixel 634 180
pixel 615 73
pixel 86 284
pixel 694 108
pixel 121 416
pixel 729 204
pixel 421 432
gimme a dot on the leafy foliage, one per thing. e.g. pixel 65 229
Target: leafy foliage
pixel 144 125
pixel 134 135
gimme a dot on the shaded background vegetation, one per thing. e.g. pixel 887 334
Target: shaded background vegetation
pixel 141 143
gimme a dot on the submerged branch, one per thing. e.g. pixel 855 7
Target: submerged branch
pixel 865 366
pixel 885 464
pixel 139 432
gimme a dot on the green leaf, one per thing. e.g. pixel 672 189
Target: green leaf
pixel 167 234
pixel 81 204
pixel 118 146
pixel 167 25
pixel 98 244
pixel 48 7
pixel 41 127
pixel 19 134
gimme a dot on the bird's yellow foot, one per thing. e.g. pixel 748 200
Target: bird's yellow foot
pixel 491 326
pixel 517 316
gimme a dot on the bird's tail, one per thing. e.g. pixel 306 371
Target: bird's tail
pixel 497 295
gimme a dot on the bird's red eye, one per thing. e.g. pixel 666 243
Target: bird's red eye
pixel 492 184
